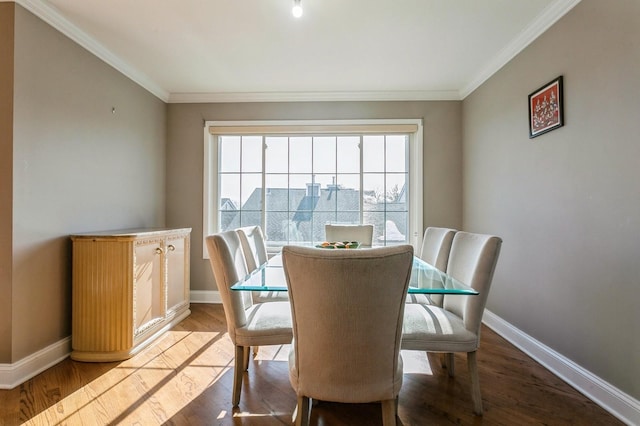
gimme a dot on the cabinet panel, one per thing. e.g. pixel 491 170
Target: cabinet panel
pixel 177 273
pixel 148 301
pixel 129 287
pixel 102 309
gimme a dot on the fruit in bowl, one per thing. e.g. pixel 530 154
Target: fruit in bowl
pixel 339 245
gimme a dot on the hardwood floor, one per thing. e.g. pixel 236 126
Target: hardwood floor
pixel 185 378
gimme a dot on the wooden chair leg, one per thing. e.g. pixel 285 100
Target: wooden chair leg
pixel 447 361
pixel 451 365
pixel 302 412
pixel 475 383
pixel 245 357
pixel 238 372
pixel 389 412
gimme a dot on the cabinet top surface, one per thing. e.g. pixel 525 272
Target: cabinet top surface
pixel 131 233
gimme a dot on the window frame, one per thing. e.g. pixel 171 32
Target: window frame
pixel 270 127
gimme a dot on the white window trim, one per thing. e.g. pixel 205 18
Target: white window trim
pixel 210 175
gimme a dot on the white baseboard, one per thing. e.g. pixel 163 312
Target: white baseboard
pixel 205 296
pixel 619 404
pixel 11 375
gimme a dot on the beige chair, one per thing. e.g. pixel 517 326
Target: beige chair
pixel 436 245
pixel 255 253
pixel 248 324
pixel 361 233
pixel 253 246
pixel 347 308
pixel 455 327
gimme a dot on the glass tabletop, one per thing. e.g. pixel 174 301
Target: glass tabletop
pixel 425 279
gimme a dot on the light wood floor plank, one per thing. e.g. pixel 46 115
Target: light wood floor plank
pixel 186 377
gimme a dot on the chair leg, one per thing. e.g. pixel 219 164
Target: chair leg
pixel 238 372
pixel 302 412
pixel 443 360
pixel 389 412
pixel 451 365
pixel 475 383
pixel 245 357
pixel 447 361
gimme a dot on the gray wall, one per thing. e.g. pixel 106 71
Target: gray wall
pixel 185 150
pixel 566 203
pixel 77 167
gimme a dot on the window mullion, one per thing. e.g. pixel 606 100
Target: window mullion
pixel 361 145
pixel 288 186
pixel 384 190
pixel 241 179
pixel 337 183
pixel 263 212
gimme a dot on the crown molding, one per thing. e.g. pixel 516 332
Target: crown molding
pixel 549 16
pixel 53 17
pixel 228 97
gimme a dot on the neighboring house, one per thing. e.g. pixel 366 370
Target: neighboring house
pixel 227 205
pixel 301 214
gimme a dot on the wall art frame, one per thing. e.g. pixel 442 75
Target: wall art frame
pixel 546 108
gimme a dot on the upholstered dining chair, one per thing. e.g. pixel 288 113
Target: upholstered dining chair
pixel 255 253
pixel 249 324
pixel 361 233
pixel 455 327
pixel 436 245
pixel 253 246
pixel 347 309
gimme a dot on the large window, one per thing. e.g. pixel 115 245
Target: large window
pixel 293 178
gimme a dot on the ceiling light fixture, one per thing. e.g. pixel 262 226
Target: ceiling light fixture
pixel 297 9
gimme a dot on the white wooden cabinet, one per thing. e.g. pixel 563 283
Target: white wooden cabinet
pixel 129 287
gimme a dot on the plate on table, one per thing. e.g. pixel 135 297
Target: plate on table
pixel 339 245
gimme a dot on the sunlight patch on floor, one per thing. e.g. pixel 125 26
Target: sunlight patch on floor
pixel 161 380
pixel 245 414
pixel 165 372
pixel 272 353
pixel 416 362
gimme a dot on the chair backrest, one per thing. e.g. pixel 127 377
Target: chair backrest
pixel 361 233
pixel 253 246
pixel 472 260
pixel 347 309
pixel 229 266
pixel 436 246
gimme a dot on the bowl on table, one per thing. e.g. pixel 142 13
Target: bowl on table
pixel 339 245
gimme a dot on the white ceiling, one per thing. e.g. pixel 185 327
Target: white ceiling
pixel 255 50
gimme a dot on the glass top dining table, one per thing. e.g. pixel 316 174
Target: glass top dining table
pixel 425 279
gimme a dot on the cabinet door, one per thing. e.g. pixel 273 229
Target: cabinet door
pixel 148 303
pixel 177 284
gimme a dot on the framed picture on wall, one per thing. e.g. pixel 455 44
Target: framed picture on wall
pixel 546 109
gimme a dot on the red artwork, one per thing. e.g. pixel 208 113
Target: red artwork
pixel 545 108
